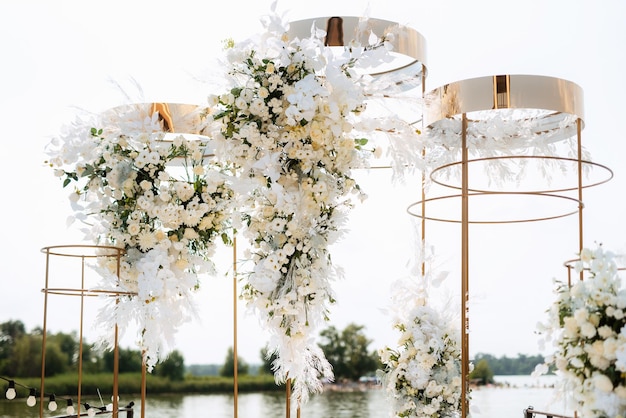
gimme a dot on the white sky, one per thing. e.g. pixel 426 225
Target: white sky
pixel 57 56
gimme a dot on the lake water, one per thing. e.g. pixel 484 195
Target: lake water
pixel 488 402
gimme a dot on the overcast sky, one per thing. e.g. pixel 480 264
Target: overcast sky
pixel 58 56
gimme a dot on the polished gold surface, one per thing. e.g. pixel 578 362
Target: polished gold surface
pixel 341 31
pixel 551 94
pixel 175 119
pixel 179 118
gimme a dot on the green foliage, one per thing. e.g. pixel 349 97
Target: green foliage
pixel 129 361
pixel 228 369
pixel 348 352
pixel 482 372
pixel 173 367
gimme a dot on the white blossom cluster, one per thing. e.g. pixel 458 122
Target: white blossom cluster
pixel 587 326
pixel 157 199
pixel 286 128
pixel 423 373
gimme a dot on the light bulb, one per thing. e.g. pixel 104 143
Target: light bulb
pixel 70 407
pixel 31 400
pixel 91 412
pixel 52 405
pixel 11 394
pixel 109 407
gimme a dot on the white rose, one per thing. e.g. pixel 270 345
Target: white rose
pixel 602 382
pixel 587 330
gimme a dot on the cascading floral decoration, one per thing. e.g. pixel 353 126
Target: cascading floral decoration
pixel 153 194
pixel 587 326
pixel 422 374
pixel 286 128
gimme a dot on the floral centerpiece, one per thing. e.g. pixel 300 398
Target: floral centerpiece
pixel 587 326
pixel 286 128
pixel 154 195
pixel 423 373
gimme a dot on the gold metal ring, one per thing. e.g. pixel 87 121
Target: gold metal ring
pixel 413 208
pixel 606 170
pixel 84 251
pixel 85 292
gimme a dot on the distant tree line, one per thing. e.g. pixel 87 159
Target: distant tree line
pixel 20 355
pixel 347 351
pixel 507 366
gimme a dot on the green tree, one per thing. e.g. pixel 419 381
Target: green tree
pixel 172 367
pixel 482 372
pixel 348 352
pixel 267 360
pixel 129 360
pixel 10 332
pixel 68 344
pixel 228 369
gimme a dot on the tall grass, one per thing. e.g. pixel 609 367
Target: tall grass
pixel 130 384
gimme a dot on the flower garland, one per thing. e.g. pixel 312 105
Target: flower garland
pixel 587 326
pixel 124 166
pixel 286 128
pixel 422 375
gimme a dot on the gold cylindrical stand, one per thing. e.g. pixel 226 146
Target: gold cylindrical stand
pixel 545 109
pixel 82 252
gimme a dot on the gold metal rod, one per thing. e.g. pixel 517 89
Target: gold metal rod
pixel 143 385
pixel 235 363
pixel 43 339
pixel 580 187
pixel 423 237
pixel 288 398
pixel 80 341
pixel 464 273
pixel 116 371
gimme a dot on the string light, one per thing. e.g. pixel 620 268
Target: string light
pixel 52 405
pixel 31 401
pixel 11 393
pixel 70 407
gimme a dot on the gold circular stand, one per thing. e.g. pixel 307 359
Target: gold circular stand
pixel 496 120
pixel 83 253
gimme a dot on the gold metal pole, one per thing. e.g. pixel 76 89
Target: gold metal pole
pixel 235 363
pixel 464 273
pixel 288 396
pixel 143 385
pixel 116 353
pixel 43 339
pixel 580 187
pixel 80 341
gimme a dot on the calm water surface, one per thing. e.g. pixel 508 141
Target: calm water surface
pixel 491 402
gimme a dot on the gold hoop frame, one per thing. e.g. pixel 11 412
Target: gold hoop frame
pixel 485 94
pixel 590 164
pixel 414 208
pixel 340 31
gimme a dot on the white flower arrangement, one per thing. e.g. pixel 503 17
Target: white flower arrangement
pixel 154 195
pixel 422 374
pixel 587 326
pixel 286 129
